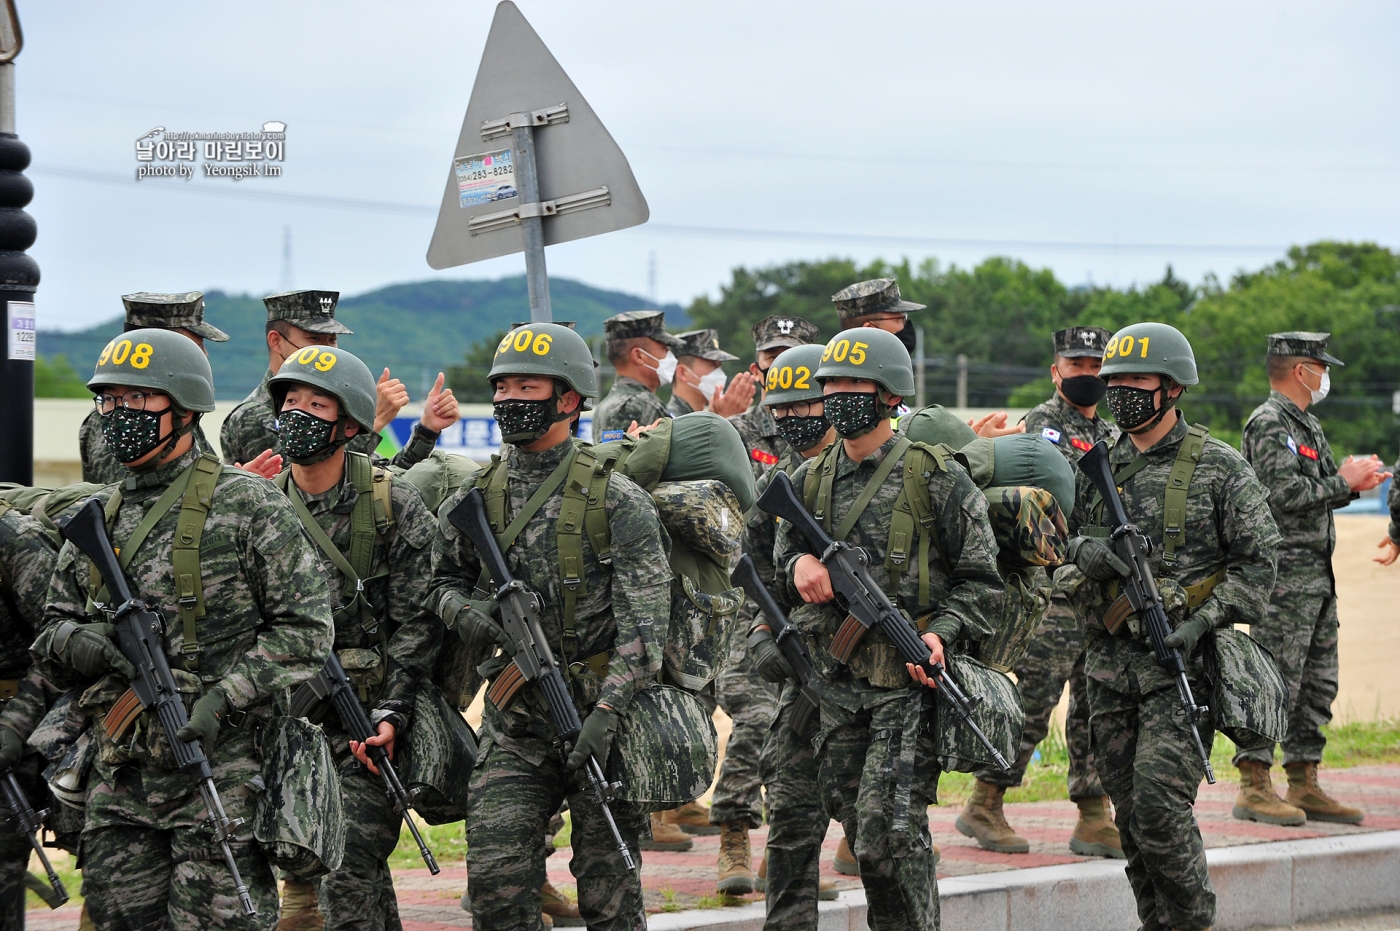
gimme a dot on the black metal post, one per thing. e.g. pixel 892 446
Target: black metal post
pixel 19 277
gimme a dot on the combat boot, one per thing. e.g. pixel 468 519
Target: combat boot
pixel 735 860
pixel 1305 793
pixel 301 907
pixel 1257 800
pixel 558 907
pixel 692 818
pixel 984 820
pixel 666 836
pixel 826 889
pixel 1095 834
pixel 845 862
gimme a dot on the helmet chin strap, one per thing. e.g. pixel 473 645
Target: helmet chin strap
pixel 177 432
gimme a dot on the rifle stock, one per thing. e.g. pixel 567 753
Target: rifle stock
pixel 29 823
pixel 789 641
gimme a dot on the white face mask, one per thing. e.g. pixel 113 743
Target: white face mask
pixel 665 367
pixel 1322 388
pixel 712 382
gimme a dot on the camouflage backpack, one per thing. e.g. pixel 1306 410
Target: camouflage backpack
pixel 47 505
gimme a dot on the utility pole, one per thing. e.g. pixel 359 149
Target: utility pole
pixel 19 273
pixel 962 381
pixel 288 281
pixel 920 391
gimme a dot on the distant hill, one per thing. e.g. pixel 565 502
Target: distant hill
pixel 416 329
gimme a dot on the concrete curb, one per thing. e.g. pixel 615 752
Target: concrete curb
pixel 1258 885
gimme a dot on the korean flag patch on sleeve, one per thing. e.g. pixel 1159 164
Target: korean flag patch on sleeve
pixel 1051 434
pixel 1292 445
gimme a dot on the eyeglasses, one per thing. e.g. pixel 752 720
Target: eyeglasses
pixel 798 409
pixel 132 401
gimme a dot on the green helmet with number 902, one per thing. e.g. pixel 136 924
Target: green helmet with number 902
pixel 1150 349
pixel 159 360
pixel 549 350
pixel 335 371
pixel 792 376
pixel 872 354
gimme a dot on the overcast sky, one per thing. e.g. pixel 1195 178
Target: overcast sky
pixel 1102 140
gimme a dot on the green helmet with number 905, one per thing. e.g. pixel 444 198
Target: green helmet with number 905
pixel 872 354
pixel 335 371
pixel 549 350
pixel 792 376
pixel 159 360
pixel 1150 349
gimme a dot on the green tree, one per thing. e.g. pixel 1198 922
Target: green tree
pixel 468 380
pixel 55 378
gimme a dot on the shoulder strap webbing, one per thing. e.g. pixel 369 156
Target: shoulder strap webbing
pixel 1178 486
pixel 816 488
pixel 892 459
pixel 585 489
pixel 912 518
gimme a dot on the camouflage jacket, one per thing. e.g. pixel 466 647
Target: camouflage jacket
pixel 626 401
pixel 759 431
pixel 622 612
pixel 251 428
pixel 1228 527
pixel 1289 454
pixel 1393 503
pixel 678 406
pixel 965 588
pixel 27 557
pixel 398 622
pixel 268 619
pixel 101 467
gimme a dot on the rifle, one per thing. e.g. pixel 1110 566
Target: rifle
pixel 332 682
pixel 789 641
pixel 29 823
pixel 868 606
pixel 532 661
pixel 1133 547
pixel 141 638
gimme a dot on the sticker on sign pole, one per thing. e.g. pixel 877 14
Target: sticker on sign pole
pixel 22 331
pixel 485 178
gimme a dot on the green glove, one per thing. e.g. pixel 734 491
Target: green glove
pixel 205 718
pixel 593 740
pixel 768 660
pixel 1096 560
pixel 11 748
pixel 476 627
pixel 92 652
pixel 1185 637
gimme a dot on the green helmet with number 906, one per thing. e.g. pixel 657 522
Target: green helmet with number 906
pixel 872 354
pixel 792 376
pixel 159 360
pixel 1150 349
pixel 549 350
pixel 335 371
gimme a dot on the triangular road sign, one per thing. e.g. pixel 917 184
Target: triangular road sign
pixel 575 156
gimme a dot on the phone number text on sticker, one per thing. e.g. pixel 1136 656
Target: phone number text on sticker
pixel 485 178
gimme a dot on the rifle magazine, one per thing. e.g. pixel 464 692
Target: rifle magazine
pixel 507 685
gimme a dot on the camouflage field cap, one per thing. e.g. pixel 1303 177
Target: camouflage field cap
pixel 183 310
pixel 636 324
pixel 1082 341
pixel 783 332
pixel 703 344
pixel 876 296
pixel 312 311
pixel 1304 344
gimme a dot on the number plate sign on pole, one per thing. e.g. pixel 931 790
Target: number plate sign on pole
pixel 534 165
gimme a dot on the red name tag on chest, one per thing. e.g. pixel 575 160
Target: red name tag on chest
pixel 1082 445
pixel 1307 451
pixel 759 455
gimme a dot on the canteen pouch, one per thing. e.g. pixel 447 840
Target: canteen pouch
pixel 299 821
pixel 664 751
pixel 435 763
pixel 998 714
pixel 1248 697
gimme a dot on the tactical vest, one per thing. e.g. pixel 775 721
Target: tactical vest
pixel 1188 456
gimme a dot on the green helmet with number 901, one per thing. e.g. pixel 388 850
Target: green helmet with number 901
pixel 1150 349
pixel 549 350
pixel 159 360
pixel 872 354
pixel 792 376
pixel 335 371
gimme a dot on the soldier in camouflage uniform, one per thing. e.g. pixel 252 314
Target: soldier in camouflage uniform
pixel 611 645
pixel 1284 443
pixel 1389 544
pixel 641 352
pixel 1220 569
pixel 877 303
pixel 876 713
pixel 1071 422
pixel 699 384
pixel 183 313
pixel 256 622
pixel 296 321
pixel 385 635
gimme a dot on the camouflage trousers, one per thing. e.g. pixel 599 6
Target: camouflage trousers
pixel 1146 759
pixel 796 822
pixel 1300 629
pixel 510 807
pixel 15 849
pixel 881 796
pixel 750 702
pixel 1055 654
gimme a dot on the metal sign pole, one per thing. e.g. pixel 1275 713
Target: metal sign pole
pixel 531 227
pixel 19 274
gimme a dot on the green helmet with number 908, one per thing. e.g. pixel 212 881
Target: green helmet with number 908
pixel 1150 349
pixel 549 350
pixel 158 360
pixel 335 371
pixel 792 376
pixel 872 354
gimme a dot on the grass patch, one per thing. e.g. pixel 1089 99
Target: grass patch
pixel 448 842
pixel 721 900
pixel 668 900
pixel 1362 743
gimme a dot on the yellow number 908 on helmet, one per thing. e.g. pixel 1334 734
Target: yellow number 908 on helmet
pixel 157 360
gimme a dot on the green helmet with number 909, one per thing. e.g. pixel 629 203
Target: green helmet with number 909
pixel 158 360
pixel 1150 349
pixel 549 350
pixel 792 376
pixel 872 354
pixel 335 371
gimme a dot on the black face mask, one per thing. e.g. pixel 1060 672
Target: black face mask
pixel 1135 409
pixel 854 413
pixel 1083 390
pixel 306 438
pixel 132 434
pixel 524 421
pixel 908 337
pixel 802 433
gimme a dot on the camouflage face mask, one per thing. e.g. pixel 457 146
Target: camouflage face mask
pixel 1135 409
pixel 132 434
pixel 306 438
pixel 853 413
pixel 523 421
pixel 802 433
